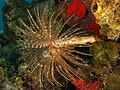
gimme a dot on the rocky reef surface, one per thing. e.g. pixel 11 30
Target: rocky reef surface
pixel 104 62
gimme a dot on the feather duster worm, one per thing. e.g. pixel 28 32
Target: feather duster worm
pixel 50 48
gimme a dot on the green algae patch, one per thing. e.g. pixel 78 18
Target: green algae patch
pixel 105 53
pixel 105 64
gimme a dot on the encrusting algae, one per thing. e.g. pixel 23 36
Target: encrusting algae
pixel 48 46
pixel 108 16
pixel 106 64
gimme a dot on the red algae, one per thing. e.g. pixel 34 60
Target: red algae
pixel 85 85
pixel 76 7
pixel 80 10
pixel 95 28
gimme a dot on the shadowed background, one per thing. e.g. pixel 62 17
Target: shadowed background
pixel 1 21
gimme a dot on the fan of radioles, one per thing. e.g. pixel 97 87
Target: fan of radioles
pixel 48 46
